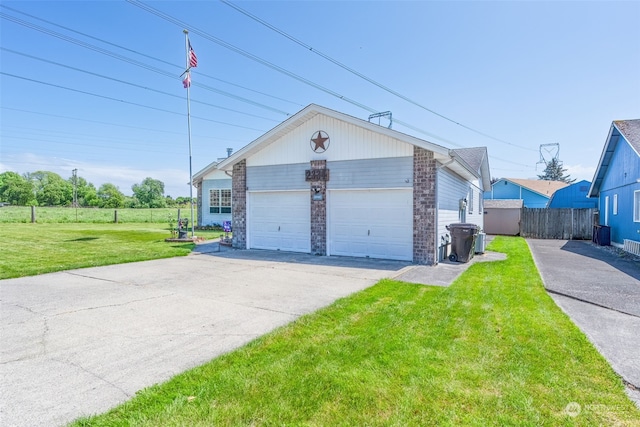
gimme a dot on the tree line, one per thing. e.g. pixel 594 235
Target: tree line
pixel 45 188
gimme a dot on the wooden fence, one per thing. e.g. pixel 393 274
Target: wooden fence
pixel 569 224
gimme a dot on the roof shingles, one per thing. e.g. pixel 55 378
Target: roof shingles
pixel 546 188
pixel 630 129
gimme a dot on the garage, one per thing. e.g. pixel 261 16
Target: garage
pixel 279 220
pixel 330 184
pixel 371 223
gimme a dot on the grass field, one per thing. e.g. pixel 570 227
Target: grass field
pixel 493 349
pixel 22 214
pixel 29 249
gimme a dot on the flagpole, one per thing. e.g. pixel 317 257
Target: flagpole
pixel 186 45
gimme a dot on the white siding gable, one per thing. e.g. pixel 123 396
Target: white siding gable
pixel 216 174
pixel 347 142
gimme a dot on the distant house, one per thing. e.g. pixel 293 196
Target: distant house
pixel 573 196
pixel 534 193
pixel 616 184
pixel 214 195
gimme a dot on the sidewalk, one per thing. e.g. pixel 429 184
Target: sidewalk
pixel 600 292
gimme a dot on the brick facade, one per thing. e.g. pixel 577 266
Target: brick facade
pixel 199 198
pixel 318 212
pixel 239 205
pixel 424 207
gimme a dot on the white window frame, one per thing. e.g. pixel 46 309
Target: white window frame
pixel 606 210
pixel 219 201
pixel 471 200
pixel 636 206
pixel 615 204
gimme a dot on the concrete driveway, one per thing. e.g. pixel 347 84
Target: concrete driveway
pixel 600 291
pixel 79 342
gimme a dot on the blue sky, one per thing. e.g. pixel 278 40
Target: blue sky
pixel 506 75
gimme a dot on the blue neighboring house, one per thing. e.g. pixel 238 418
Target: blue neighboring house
pixel 574 196
pixel 616 183
pixel 534 193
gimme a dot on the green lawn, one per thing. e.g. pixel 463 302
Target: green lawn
pixel 29 249
pixel 492 349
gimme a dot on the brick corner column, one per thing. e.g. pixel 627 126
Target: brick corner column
pixel 199 204
pixel 424 207
pixel 319 211
pixel 239 205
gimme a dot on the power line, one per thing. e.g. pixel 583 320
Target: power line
pixel 133 61
pixel 129 147
pixel 122 101
pixel 212 38
pixel 362 76
pixel 275 67
pixel 251 56
pixel 131 84
pixel 148 56
pixel 113 124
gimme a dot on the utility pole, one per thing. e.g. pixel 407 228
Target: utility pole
pixel 74 175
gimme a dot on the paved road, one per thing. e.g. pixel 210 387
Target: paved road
pixel 79 342
pixel 600 291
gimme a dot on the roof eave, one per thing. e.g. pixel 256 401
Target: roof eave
pixel 594 190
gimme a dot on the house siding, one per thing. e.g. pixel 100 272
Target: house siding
pixel 621 179
pixel 205 217
pixel 277 177
pixel 346 142
pixel 394 172
pixel 503 189
pixel 452 188
pixel 573 196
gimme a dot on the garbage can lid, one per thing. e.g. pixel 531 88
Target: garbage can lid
pixel 464 225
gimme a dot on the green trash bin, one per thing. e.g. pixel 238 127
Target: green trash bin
pixel 463 241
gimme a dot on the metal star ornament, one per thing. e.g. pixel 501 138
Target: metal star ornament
pixel 320 142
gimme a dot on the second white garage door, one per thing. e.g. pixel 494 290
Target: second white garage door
pixel 280 220
pixel 371 223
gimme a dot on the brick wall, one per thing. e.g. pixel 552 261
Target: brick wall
pixel 424 207
pixel 239 205
pixel 199 196
pixel 318 212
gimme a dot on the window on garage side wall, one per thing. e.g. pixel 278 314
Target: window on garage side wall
pixel 636 206
pixel 219 201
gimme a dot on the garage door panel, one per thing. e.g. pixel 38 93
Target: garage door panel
pixel 280 221
pixel 371 223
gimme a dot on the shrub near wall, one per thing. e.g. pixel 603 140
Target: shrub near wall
pixel 22 214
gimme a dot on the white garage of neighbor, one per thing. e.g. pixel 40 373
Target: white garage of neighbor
pixel 327 183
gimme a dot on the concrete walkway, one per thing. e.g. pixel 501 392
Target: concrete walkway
pixel 600 291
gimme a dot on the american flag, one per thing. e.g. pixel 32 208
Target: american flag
pixel 187 80
pixel 193 59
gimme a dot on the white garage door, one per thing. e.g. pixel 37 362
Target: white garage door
pixel 371 223
pixel 280 220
